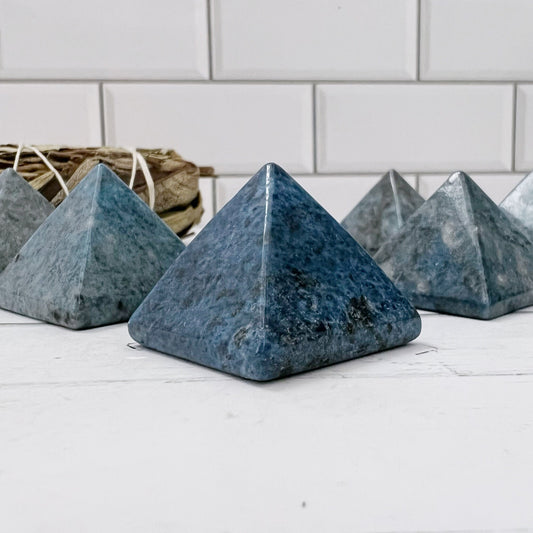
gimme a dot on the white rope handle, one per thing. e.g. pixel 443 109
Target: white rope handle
pixel 138 158
pixel 133 166
pixel 45 161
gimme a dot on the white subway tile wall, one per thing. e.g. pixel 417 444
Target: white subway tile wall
pixel 524 127
pixel 118 39
pixel 315 39
pixel 336 92
pixel 235 128
pixel 414 127
pixel 476 40
pixel 45 113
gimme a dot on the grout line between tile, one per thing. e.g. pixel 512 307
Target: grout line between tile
pixel 103 139
pixel 263 81
pixel 513 130
pixel 418 39
pixel 209 40
pixel 214 195
pixel 315 148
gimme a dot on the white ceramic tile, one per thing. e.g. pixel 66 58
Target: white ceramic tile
pixel 368 127
pixel 46 113
pixel 524 127
pixel 102 39
pixel 476 39
pixel 337 194
pixel 497 186
pixel 227 187
pixel 315 39
pixel 234 127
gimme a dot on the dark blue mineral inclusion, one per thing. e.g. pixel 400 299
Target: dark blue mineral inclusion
pixel 518 205
pixel 93 260
pixel 382 212
pixel 22 211
pixel 460 254
pixel 273 286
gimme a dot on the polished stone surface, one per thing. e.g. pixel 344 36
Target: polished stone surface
pixel 518 204
pixel 382 211
pixel 22 211
pixel 93 260
pixel 460 254
pixel 273 286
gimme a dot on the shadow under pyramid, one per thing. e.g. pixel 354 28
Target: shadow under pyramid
pixel 273 286
pixel 93 260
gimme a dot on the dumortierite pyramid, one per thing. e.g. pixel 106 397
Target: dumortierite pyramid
pixel 518 204
pixel 460 254
pixel 382 211
pixel 22 211
pixel 93 260
pixel 273 286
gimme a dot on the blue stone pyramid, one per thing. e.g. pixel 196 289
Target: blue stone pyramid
pixel 93 260
pixel 460 254
pixel 382 211
pixel 518 205
pixel 22 211
pixel 273 286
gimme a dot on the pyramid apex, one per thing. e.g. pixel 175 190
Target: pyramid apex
pixel 94 180
pixel 460 177
pixel 101 170
pixel 12 176
pixel 9 172
pixel 393 173
pixel 272 169
pixel 391 178
pixel 382 211
pixel 268 175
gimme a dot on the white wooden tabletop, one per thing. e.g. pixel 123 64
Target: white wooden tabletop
pixel 98 434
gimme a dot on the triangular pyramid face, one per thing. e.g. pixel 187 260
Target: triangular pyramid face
pixel 22 211
pixel 93 260
pixel 382 212
pixel 273 286
pixel 518 204
pixel 460 254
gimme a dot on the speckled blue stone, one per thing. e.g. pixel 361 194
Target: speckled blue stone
pixel 518 205
pixel 273 286
pixel 93 260
pixel 460 254
pixel 382 211
pixel 22 211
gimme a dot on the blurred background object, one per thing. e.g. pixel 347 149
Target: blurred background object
pixel 177 197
